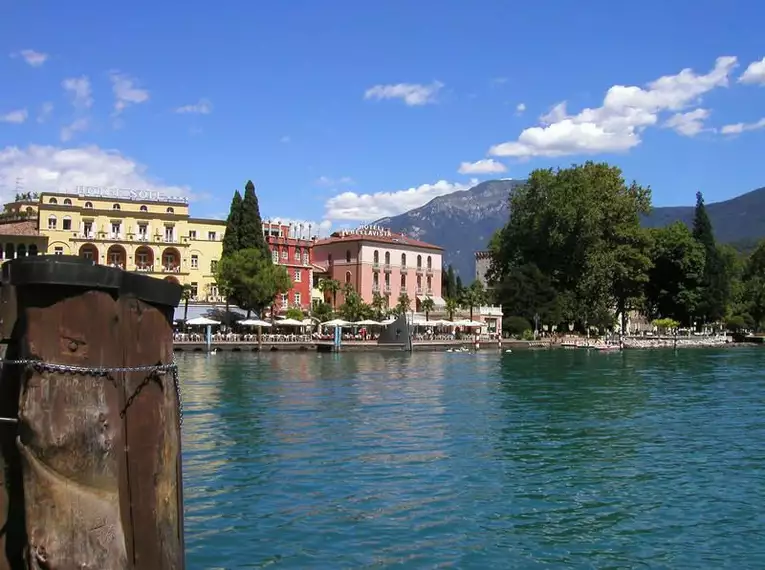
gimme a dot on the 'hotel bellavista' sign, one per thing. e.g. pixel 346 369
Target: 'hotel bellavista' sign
pixel 127 194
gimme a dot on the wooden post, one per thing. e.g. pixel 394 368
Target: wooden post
pixel 94 462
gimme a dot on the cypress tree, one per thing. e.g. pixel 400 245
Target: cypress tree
pixel 251 226
pixel 715 283
pixel 233 222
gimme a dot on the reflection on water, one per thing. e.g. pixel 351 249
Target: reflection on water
pixel 522 460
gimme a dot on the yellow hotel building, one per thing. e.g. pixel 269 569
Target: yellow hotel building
pixel 134 230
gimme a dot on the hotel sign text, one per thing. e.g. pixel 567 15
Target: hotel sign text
pixel 128 194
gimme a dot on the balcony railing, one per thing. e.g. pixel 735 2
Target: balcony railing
pixel 387 289
pixel 429 270
pixel 171 269
pixel 404 268
pixel 420 269
pixel 145 268
pixel 387 268
pixel 375 265
pixel 376 288
pixel 419 290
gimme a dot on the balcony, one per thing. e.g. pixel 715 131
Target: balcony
pixel 376 288
pixel 145 268
pixel 419 290
pixel 429 271
pixel 376 265
pixel 429 292
pixel 387 268
pixel 387 289
pixel 420 270
pixel 171 269
pixel 404 268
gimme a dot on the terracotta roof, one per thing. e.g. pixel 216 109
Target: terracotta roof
pixel 24 228
pixel 393 239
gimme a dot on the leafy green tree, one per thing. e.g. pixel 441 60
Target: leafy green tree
pixel 354 308
pixel 295 313
pixel 451 307
pixel 715 281
pixel 322 311
pixel 233 226
pixel 526 291
pixel 330 287
pixel 581 227
pixel 458 287
pixel 448 282
pixel 474 296
pixel 516 325
pixel 427 305
pixel 250 224
pixel 252 279
pixel 379 304
pixel 404 303
pixel 673 289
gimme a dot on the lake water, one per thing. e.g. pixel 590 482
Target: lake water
pixel 536 459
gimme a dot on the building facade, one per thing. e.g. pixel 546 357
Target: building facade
pixel 375 260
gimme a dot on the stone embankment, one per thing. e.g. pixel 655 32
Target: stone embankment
pixel 679 342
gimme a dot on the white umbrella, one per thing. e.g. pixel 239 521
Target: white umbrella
pixel 367 322
pixel 201 321
pixel 290 323
pixel 308 322
pixel 337 323
pixel 254 323
pixel 388 321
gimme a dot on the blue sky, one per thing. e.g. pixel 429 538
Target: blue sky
pixel 346 111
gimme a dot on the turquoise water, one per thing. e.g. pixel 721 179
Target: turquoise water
pixel 537 459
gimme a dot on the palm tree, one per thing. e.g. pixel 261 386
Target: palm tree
pixel 404 303
pixel 330 286
pixel 378 304
pixel 451 307
pixel 474 296
pixel 427 305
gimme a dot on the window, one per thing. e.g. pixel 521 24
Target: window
pixel 211 236
pixel 376 281
pixel 430 263
pixel 387 280
pixel 194 289
pixel 143 231
pixel 296 276
pixel 192 234
pixel 88 204
pixel 297 254
pixel 169 233
pixel 419 261
pixel 194 261
pixel 116 229
pixel 285 254
pixel 347 276
pixel 419 283
pixel 170 262
pixel 306 258
pixel 387 258
pixel 58 250
pixel 142 259
pixel 297 297
pixel 66 223
pixel 87 254
pixel 284 299
pixel 275 256
pixel 115 258
pixel 213 266
pixel 348 256
pixel 403 281
pixel 116 207
pixel 403 260
pixel 52 223
pixel 213 290
pixel 143 208
pixel 87 229
pixel 67 202
pixel 52 201
pixel 170 210
pixel 430 283
pixel 376 257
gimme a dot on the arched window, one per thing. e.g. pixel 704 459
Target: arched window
pixel 403 260
pixel 347 276
pixel 88 204
pixel 170 210
pixel 52 222
pixel 116 207
pixel 430 263
pixel 348 256
pixel 377 257
pixel 21 250
pixel 52 201
pixel 387 258
pixel 32 249
pixel 419 261
pixel 403 281
pixel 30 211
pixel 144 208
pixel 67 202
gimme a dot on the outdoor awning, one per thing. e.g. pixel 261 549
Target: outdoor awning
pixel 437 301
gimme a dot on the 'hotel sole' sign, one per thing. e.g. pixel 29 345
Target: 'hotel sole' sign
pixel 128 194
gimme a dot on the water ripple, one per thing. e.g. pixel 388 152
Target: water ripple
pixel 524 460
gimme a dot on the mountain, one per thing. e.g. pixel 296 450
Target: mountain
pixel 463 222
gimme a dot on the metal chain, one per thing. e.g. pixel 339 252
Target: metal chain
pixel 40 365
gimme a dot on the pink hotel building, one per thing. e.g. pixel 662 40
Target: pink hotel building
pixel 373 259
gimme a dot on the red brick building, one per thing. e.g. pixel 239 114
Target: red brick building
pixel 292 246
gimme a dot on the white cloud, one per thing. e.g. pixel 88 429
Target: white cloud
pixel 688 124
pixel 520 108
pixel 484 166
pixel 327 181
pixel 739 128
pixel 32 57
pixel 45 112
pixel 616 125
pixel 16 117
pixel 79 90
pixel 412 94
pixel 48 168
pixel 203 107
pixel 755 73
pixel 76 126
pixel 126 92
pixel 368 207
